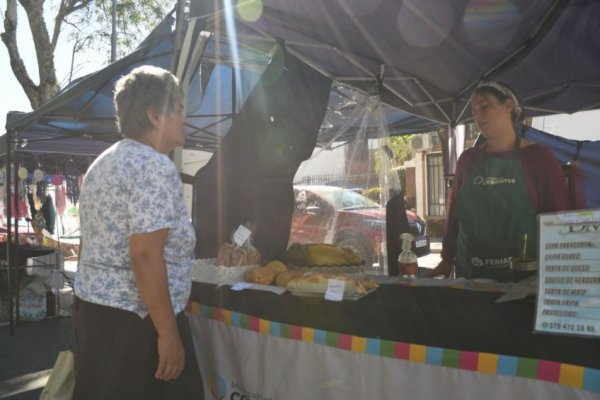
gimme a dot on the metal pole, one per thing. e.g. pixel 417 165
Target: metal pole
pixel 113 36
pixel 9 229
pixel 15 254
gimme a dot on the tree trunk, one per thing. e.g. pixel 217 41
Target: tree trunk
pixel 48 86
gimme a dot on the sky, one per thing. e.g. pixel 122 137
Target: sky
pixel 580 126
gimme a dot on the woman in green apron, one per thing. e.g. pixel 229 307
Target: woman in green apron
pixel 499 188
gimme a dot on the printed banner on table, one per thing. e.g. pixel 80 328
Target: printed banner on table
pixel 244 357
pixel 568 300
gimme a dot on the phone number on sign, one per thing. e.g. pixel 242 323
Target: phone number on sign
pixel 558 326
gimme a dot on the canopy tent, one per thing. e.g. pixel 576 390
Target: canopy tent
pixel 80 121
pixel 546 50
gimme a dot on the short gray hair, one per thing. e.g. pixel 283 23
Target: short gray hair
pixel 145 88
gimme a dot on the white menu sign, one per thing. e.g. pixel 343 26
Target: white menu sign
pixel 568 300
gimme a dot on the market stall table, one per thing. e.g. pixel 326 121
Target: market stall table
pixel 395 339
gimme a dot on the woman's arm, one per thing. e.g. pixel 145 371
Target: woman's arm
pixel 150 272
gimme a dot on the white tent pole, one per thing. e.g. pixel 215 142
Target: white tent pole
pixel 189 34
pixel 430 97
pixel 194 60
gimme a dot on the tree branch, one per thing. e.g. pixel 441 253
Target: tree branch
pixel 67 7
pixel 48 86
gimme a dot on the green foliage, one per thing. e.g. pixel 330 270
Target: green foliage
pixel 373 193
pixel 401 148
pixel 135 20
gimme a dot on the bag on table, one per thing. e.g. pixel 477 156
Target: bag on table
pixel 62 379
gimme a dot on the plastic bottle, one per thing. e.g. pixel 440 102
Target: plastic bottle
pixel 407 261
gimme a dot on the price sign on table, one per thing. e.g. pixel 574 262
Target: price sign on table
pixel 568 300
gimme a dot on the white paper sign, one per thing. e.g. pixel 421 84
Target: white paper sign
pixel 335 290
pixel 257 286
pixel 241 235
pixel 241 286
pixel 568 300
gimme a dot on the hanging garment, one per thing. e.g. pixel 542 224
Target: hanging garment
pixel 60 199
pixel 73 188
pixel 22 211
pixel 49 213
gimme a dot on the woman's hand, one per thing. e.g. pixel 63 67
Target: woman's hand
pixel 171 357
pixel 444 268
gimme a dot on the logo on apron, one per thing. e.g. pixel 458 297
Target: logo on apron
pixel 501 262
pixel 492 180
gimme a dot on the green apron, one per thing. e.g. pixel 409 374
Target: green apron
pixel 495 213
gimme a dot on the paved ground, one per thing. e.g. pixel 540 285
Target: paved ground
pixel 26 359
pixel 27 356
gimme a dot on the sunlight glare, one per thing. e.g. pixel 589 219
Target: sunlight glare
pixel 233 43
pixel 425 23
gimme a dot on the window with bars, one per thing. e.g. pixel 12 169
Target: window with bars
pixel 436 195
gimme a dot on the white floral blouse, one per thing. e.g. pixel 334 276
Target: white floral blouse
pixel 131 188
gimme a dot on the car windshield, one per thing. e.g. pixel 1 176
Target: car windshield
pixel 348 200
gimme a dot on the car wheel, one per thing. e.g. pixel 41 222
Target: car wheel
pixel 357 245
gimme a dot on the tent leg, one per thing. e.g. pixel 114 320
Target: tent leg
pixel 453 144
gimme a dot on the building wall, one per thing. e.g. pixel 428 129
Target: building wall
pixel 411 186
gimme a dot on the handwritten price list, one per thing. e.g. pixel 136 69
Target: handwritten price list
pixel 568 299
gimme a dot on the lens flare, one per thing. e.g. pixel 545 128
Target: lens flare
pixel 491 23
pixel 250 10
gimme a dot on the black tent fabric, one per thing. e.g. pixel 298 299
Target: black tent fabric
pixel 250 177
pixel 430 54
pixel 585 153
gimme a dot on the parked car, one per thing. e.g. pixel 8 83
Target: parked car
pixel 330 214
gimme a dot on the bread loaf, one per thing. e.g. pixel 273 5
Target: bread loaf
pixel 239 256
pixel 277 266
pixel 253 255
pixel 231 255
pixel 318 281
pixel 282 278
pixel 262 275
pixel 224 254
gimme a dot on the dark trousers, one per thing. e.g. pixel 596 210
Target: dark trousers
pixel 116 357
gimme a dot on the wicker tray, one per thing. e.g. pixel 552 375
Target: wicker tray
pixel 206 270
pixel 319 293
pixel 355 271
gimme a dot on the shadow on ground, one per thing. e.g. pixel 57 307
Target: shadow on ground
pixel 27 357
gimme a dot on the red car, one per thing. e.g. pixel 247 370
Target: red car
pixel 330 214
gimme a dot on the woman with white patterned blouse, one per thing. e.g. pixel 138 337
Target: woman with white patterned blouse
pixel 132 338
